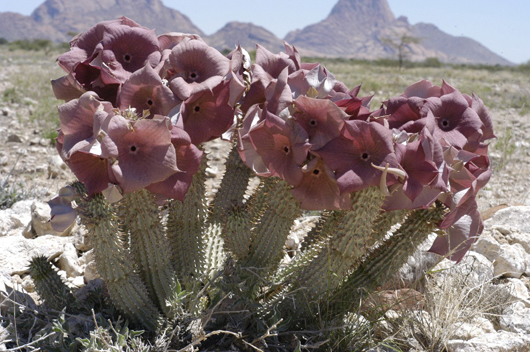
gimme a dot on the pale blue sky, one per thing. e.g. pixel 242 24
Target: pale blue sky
pixel 502 26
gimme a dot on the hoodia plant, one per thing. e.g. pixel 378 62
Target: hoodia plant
pixel 138 110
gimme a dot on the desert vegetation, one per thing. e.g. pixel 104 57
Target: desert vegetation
pixel 450 297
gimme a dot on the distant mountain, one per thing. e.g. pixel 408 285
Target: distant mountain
pixel 457 49
pixel 15 26
pixel 354 28
pixel 57 20
pixel 246 35
pixel 358 28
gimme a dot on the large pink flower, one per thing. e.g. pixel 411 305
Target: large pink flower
pixel 145 91
pixel 318 189
pixel 80 121
pixel 192 63
pixel 320 118
pixel 282 146
pixel 188 162
pixel 125 50
pixel 352 154
pixel 420 171
pixel 142 151
pixel 207 114
pixel 455 121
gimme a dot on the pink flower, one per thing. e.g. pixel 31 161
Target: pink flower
pixel 188 161
pixel 145 91
pixel 62 214
pixel 192 63
pixel 320 118
pixel 352 154
pixel 318 189
pixel 142 151
pixel 125 50
pixel 455 121
pixel 207 114
pixel 282 146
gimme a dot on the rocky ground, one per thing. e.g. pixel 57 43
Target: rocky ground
pixel 499 262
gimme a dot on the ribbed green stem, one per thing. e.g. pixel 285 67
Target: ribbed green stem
pixel 389 257
pixel 226 205
pixel 315 235
pixel 384 222
pixel 48 284
pixel 232 190
pixel 236 234
pixel 114 265
pixel 350 236
pixel 149 246
pixel 186 230
pixel 271 226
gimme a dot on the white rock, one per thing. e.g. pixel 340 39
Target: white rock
pixel 80 238
pixel 78 281
pixel 28 284
pixel 15 218
pixel 488 246
pixel 502 341
pixel 476 267
pixel 68 261
pixel 40 222
pixel 516 318
pixel 518 291
pixel 16 251
pixel 511 262
pixel 478 326
pixel 515 216
pixel 91 272
pixel 87 257
pixel 522 238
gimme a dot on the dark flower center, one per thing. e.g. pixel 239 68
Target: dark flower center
pixel 444 124
pixel 193 75
pixel 150 102
pixel 197 108
pixel 127 57
pixel 286 149
pixel 365 156
pixel 316 172
pixel 133 148
pixel 313 122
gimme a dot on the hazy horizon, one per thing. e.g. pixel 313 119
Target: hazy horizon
pixel 501 29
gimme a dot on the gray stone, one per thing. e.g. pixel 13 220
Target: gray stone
pixel 514 216
pixel 502 341
pixel 518 291
pixel 516 318
pixel 16 251
pixel 40 222
pixel 14 138
pixel 12 220
pixel 511 262
pixel 519 237
pixel 69 262
pixel 468 330
pixel 488 246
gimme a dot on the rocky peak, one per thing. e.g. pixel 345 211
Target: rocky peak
pixel 247 35
pixel 77 16
pixel 362 13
